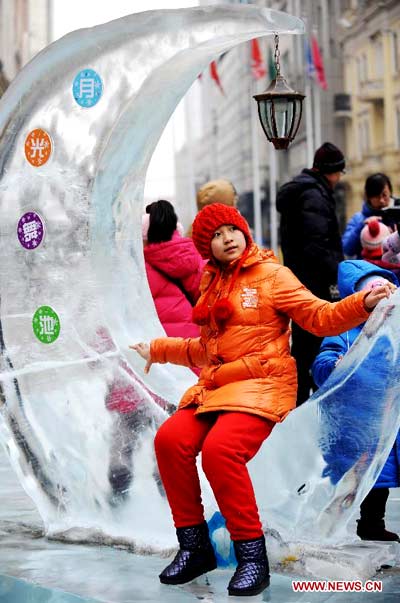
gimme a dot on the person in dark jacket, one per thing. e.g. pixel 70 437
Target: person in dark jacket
pixel 378 193
pixel 311 245
pixel 341 452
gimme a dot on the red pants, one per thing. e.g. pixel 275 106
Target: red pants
pixel 227 441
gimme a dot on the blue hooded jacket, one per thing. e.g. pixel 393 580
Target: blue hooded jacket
pixel 349 274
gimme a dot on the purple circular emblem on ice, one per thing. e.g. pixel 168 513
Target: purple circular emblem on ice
pixel 30 230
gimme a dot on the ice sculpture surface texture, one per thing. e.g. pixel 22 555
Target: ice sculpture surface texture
pixel 77 130
pixel 78 127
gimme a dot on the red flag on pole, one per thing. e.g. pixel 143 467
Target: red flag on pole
pixel 215 76
pixel 257 63
pixel 318 63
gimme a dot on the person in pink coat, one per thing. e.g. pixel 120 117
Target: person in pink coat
pixel 174 268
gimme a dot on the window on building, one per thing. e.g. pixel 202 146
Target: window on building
pixel 365 67
pixel 361 139
pixel 363 135
pixel 351 76
pixel 366 136
pixel 378 48
pixel 398 127
pixel 362 68
pixel 395 51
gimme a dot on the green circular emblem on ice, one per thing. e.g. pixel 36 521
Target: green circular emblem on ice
pixel 46 324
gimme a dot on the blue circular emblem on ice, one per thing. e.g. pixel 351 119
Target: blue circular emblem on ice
pixel 220 539
pixel 87 88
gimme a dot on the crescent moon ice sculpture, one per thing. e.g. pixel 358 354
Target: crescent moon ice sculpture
pixel 78 127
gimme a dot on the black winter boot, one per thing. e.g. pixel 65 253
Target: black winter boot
pixel 375 531
pixel 195 556
pixel 252 573
pixel 371 525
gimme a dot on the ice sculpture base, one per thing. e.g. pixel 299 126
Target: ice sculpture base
pixel 35 569
pixel 359 561
pixel 71 574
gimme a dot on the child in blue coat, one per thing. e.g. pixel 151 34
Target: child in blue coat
pixel 353 276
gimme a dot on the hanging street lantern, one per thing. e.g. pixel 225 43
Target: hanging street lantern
pixel 279 108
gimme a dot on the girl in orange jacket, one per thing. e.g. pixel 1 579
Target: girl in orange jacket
pixel 246 385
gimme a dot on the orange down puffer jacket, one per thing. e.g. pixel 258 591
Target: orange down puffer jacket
pixel 247 366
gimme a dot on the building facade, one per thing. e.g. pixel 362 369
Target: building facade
pixel 24 30
pixel 232 144
pixel 370 37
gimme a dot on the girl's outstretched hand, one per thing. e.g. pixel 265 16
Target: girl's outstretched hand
pixel 143 349
pixel 377 293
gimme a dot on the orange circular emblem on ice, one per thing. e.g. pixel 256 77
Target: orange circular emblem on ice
pixel 38 147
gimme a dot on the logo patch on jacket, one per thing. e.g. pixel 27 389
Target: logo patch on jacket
pixel 249 298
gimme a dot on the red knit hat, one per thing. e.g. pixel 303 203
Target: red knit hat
pixel 209 219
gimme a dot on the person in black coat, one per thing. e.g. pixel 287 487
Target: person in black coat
pixel 311 245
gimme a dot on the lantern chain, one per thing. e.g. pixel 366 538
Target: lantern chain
pixel 277 55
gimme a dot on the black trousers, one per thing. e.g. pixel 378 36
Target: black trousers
pixel 373 507
pixel 305 348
